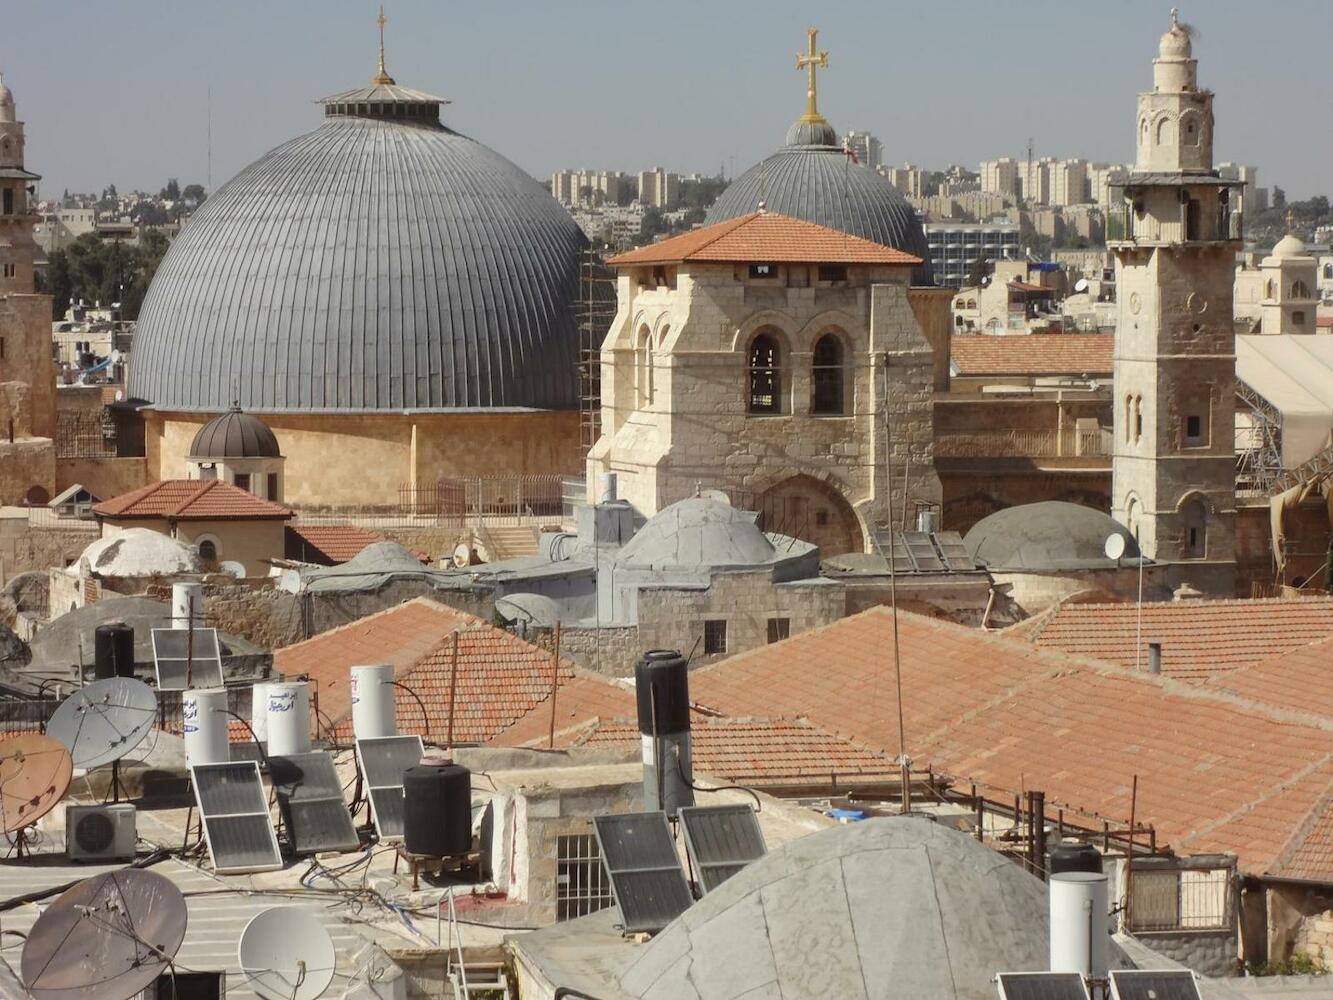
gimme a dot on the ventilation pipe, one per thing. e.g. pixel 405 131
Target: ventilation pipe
pixel 204 721
pixel 925 520
pixel 662 691
pixel 113 651
pixel 187 605
pixel 607 488
pixel 1154 657
pixel 1078 916
pixel 373 702
pixel 288 718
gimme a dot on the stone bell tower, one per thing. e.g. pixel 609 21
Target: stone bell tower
pixel 27 374
pixel 1174 465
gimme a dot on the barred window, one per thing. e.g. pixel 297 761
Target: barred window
pixel 1181 899
pixel 581 882
pixel 715 636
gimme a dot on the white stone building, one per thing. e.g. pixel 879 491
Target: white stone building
pixel 1279 294
pixel 750 356
pixel 1175 353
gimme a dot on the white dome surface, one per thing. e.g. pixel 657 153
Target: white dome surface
pixel 139 552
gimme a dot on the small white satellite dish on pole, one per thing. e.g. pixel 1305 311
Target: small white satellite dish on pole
pixel 1115 546
pixel 115 355
pixel 1081 285
pixel 233 568
pixel 286 954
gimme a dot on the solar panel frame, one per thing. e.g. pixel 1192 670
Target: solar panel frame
pixel 1159 984
pixel 721 840
pixel 922 550
pixel 310 798
pixel 1041 986
pixel 647 880
pixel 231 800
pixel 892 547
pixel 172 651
pixel 384 779
pixel 955 553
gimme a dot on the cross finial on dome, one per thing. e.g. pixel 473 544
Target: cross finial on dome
pixel 382 77
pixel 1175 17
pixel 811 61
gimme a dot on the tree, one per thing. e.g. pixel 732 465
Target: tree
pixel 980 269
pixel 172 192
pixel 58 283
pixel 193 194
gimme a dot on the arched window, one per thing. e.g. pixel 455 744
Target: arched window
pixel 1328 271
pixel 1189 130
pixel 827 376
pixel 1129 419
pixel 643 378
pixel 1164 134
pixel 1270 289
pixel 208 550
pixel 765 375
pixel 971 303
pixel 1194 526
pixel 1300 290
pixel 1138 419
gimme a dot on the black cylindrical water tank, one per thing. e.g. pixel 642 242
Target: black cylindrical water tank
pixel 437 809
pixel 1072 857
pixel 113 650
pixel 662 689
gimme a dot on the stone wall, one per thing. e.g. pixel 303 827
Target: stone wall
pixel 27 468
pixel 1209 953
pixel 610 651
pixel 1315 938
pixel 103 477
pixel 25 548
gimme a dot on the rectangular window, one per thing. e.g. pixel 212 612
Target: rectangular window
pixel 12 270
pixel 242 479
pixel 715 636
pixel 832 273
pixel 1298 317
pixel 779 629
pixel 581 883
pixel 9 201
pixel 763 270
pixel 1174 900
pixel 1193 427
pixel 272 493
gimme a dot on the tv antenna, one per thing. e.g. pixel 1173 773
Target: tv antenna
pixel 286 954
pixel 108 937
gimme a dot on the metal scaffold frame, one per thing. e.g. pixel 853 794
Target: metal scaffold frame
pixel 597 308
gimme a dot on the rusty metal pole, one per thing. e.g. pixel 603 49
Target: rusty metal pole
pixel 453 687
pixel 1038 812
pixel 555 679
pixel 1129 860
pixel 980 805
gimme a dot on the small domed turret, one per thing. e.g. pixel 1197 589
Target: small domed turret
pixel 1289 246
pixel 235 434
pixel 8 113
pixel 1175 44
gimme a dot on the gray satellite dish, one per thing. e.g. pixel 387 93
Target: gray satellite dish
pixel 232 568
pixel 103 721
pixel 107 938
pixel 286 954
pixel 1115 546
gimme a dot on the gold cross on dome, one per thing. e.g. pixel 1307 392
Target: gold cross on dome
pixel 812 61
pixel 382 76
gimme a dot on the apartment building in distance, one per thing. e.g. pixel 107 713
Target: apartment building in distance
pixel 1252 197
pixel 658 188
pixel 1069 182
pixel 909 179
pixel 590 187
pixel 1001 177
pixel 867 149
pixel 955 246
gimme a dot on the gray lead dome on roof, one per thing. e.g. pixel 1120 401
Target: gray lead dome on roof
pixel 235 435
pixel 380 262
pixel 811 178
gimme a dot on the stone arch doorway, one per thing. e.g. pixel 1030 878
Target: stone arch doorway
pixel 813 511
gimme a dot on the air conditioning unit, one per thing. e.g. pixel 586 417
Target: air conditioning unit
pixel 101 833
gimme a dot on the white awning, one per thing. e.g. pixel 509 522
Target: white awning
pixel 1294 373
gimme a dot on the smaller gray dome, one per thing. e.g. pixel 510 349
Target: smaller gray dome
pixel 811 133
pixel 1051 535
pixel 235 434
pixel 698 532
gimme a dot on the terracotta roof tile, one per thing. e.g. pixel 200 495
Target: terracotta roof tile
pixel 765 237
pixel 976 354
pixel 331 544
pixel 1199 638
pixel 191 500
pixel 1215 772
pixel 1308 855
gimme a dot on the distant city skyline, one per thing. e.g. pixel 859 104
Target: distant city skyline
pixel 120 93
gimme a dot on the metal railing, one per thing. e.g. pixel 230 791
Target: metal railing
pixel 1068 443
pixel 457 503
pixel 27 715
pixel 84 435
pixel 1181 899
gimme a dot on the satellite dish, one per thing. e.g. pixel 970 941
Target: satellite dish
pixel 34 775
pixel 232 568
pixel 120 395
pixel 105 720
pixel 1081 285
pixel 106 938
pixel 1115 546
pixel 286 954
pixel 115 355
pixel 464 556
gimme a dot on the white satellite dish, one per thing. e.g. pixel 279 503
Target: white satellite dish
pixel 120 395
pixel 115 355
pixel 103 721
pixel 286 954
pixel 1081 285
pixel 232 568
pixel 1115 546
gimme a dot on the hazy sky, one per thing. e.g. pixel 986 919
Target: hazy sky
pixel 117 90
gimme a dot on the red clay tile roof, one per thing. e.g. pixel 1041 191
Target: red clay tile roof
pixel 764 753
pixel 191 500
pixel 331 544
pixel 582 700
pixel 975 354
pixel 1308 856
pixel 765 237
pixel 1323 321
pixel 1199 638
pixel 500 680
pixel 1215 773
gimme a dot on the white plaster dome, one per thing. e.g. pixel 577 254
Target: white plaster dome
pixel 139 552
pixel 1289 246
pixel 698 532
pixel 1175 44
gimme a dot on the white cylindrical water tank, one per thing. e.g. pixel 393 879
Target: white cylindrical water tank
pixel 1078 923
pixel 204 721
pixel 373 701
pixel 259 711
pixel 607 488
pixel 187 601
pixel 288 718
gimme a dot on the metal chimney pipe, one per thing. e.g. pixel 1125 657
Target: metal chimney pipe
pixel 1154 657
pixel 661 681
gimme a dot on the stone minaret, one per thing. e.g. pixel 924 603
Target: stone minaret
pixel 17 248
pixel 1174 465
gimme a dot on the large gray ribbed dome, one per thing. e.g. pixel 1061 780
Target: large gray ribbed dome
pixel 811 178
pixel 380 262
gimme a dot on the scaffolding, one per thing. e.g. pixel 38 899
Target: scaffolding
pixel 1259 454
pixel 596 310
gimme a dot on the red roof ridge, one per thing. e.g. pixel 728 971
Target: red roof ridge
pixel 427 602
pixel 1318 810
pixel 1269 792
